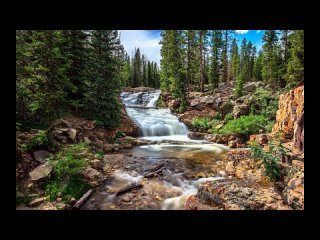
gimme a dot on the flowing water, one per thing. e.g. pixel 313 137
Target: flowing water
pixel 190 162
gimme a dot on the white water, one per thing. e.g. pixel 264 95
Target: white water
pixel 153 122
pixel 160 125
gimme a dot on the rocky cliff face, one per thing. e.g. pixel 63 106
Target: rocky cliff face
pixel 290 117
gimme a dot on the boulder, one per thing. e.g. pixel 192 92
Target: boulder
pixel 210 100
pixel 196 135
pixel 92 174
pixel 259 138
pixel 37 201
pixel 242 99
pixel 72 134
pixel 194 102
pixel 87 140
pixel 41 172
pixel 96 163
pixel 41 155
pixel 252 86
pixel 239 110
pixel 232 144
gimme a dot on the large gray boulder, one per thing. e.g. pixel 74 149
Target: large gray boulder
pixel 41 172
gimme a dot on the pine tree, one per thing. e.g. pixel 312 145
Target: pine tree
pixel 104 87
pixel 75 49
pixel 234 62
pixel 257 67
pixel 165 83
pixel 225 63
pixel 144 71
pixel 270 67
pixel 295 71
pixel 137 71
pixel 215 59
pixel 41 79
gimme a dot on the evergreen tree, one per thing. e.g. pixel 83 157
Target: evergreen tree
pixel 137 69
pixel 225 63
pixel 165 84
pixel 270 67
pixel 257 67
pixel 234 62
pixel 104 87
pixel 144 71
pixel 215 59
pixel 295 70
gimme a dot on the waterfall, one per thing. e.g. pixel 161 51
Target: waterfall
pixel 152 122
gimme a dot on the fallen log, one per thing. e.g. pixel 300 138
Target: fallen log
pixel 129 187
pixel 142 107
pixel 149 175
pixel 82 200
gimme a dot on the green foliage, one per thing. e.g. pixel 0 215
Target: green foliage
pixel 203 123
pixel 228 117
pixel 239 85
pixel 22 198
pixel 295 67
pixel 264 103
pixel 217 116
pixel 103 85
pixel 38 142
pixel 160 102
pixel 68 165
pixel 226 108
pixel 270 161
pixel 76 187
pixel 269 126
pixel 245 125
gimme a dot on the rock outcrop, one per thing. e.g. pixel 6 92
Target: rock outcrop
pixel 290 117
pixel 294 190
pixel 231 194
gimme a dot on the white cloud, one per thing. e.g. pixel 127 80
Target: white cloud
pixel 242 31
pixel 147 42
pixel 258 31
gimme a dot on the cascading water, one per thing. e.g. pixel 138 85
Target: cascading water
pixel 170 189
pixel 153 122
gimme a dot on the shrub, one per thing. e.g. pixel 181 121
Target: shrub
pixel 68 165
pixel 226 108
pixel 217 116
pixel 264 103
pixel 245 125
pixel 270 162
pixel 202 123
pixel 38 142
pixel 228 117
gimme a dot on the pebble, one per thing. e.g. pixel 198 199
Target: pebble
pixel 59 199
pixel 126 199
pixel 30 185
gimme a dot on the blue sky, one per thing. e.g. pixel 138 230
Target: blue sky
pixel 148 41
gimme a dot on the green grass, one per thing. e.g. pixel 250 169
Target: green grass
pixel 68 165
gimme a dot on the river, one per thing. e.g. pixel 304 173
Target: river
pixel 187 163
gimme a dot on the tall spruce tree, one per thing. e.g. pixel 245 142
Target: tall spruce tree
pixel 104 87
pixel 215 59
pixel 295 70
pixel 270 67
